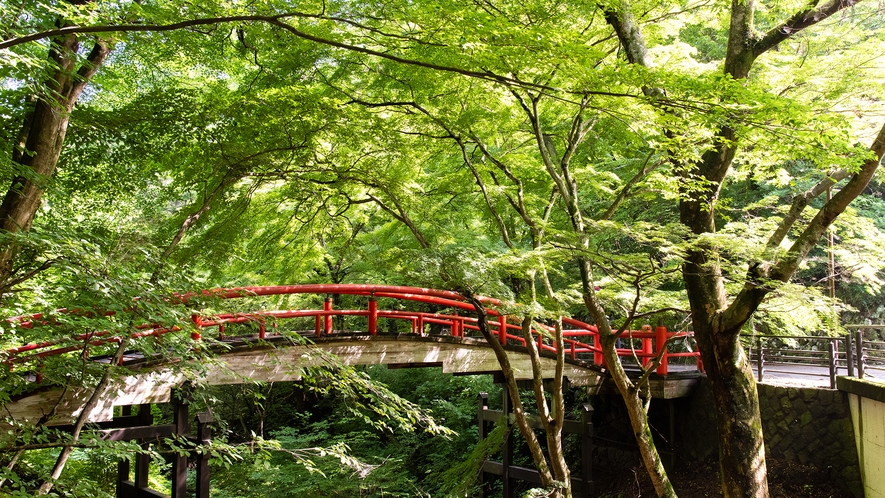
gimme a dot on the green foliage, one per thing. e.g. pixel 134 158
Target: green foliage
pixel 330 450
pixel 461 479
pixel 370 401
pixel 251 152
pixel 288 468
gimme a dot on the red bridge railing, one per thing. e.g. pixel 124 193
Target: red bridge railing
pixel 581 340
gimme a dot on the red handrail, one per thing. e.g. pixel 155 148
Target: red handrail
pixel 652 342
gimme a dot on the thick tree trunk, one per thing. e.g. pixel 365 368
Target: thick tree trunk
pixel 742 468
pixel 741 449
pixel 42 137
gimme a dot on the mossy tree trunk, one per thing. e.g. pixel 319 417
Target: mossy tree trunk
pixel 41 139
pixel 717 318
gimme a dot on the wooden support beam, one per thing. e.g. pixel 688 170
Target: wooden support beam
pixel 123 478
pixel 141 432
pixel 581 487
pixel 481 423
pixel 179 461
pixel 204 436
pixel 586 450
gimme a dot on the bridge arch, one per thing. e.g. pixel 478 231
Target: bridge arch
pixel 455 345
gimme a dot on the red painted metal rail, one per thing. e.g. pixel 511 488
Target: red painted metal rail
pixel 581 340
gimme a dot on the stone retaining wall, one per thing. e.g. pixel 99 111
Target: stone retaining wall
pixel 803 425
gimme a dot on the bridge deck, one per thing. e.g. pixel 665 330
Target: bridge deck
pixel 278 359
pixel 445 332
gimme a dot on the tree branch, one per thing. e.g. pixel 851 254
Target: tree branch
pixel 755 288
pixel 277 20
pixel 833 208
pixel 625 190
pixel 28 275
pixel 403 217
pixel 123 28
pixel 800 202
pixel 801 20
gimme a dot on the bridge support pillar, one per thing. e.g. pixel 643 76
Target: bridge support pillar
pixel 138 486
pixel 507 449
pixel 586 451
pixel 140 427
pixel 481 431
pixel 142 460
pixel 204 436
pixel 581 487
pixel 179 462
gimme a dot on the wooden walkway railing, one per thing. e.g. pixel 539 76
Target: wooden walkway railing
pixel 859 353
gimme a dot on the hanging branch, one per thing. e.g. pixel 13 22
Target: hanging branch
pixel 83 418
pixel 645 170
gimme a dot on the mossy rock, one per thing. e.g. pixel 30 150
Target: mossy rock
pixel 799 407
pixel 811 395
pixel 786 404
pixel 806 418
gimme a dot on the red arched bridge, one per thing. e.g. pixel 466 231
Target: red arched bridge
pixel 391 325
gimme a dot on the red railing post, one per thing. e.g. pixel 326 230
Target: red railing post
pixel 221 331
pixel 327 306
pixel 373 316
pixel 420 327
pixel 646 345
pixel 198 322
pixel 598 358
pixel 502 328
pixel 661 341
pixel 262 330
pixel 700 362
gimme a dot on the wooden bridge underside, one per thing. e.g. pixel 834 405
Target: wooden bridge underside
pixel 276 359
